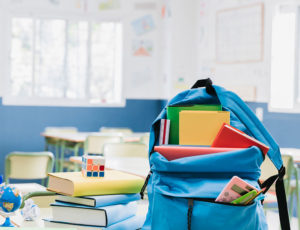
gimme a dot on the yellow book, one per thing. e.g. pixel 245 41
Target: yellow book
pixel 114 182
pixel 200 127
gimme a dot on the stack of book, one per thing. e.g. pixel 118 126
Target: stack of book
pixel 95 203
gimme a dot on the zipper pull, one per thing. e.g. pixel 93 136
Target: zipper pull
pixel 145 185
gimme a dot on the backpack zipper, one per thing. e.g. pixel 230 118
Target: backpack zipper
pixel 145 185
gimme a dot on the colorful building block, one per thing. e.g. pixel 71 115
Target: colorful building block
pixel 93 166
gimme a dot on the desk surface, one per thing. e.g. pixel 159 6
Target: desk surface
pixel 80 137
pixel 295 153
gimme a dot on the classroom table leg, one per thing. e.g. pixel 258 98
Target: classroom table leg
pixel 57 159
pixel 46 144
pixel 76 152
pixel 62 156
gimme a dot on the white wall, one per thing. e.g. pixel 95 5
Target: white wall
pixel 193 50
pixel 2 56
pixel 180 52
pixel 143 76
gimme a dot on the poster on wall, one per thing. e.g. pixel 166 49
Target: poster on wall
pixel 143 25
pixel 54 2
pixel 144 6
pixel 240 34
pixel 109 5
pixel 142 48
pixel 180 84
pixel 165 9
pixel 81 4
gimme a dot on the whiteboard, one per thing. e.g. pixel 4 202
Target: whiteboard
pixel 240 34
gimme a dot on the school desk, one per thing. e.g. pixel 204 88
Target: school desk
pixel 294 152
pixel 76 140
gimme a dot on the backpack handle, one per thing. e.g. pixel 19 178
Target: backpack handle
pixel 207 83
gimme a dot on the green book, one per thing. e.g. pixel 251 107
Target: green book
pixel 245 198
pixel 173 116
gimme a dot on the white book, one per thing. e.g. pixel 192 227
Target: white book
pixel 99 217
pixel 132 223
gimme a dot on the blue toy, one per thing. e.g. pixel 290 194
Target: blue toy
pixel 10 201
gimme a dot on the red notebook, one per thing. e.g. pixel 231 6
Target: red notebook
pixel 172 152
pixel 231 137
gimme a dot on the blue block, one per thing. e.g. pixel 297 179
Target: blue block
pixel 95 174
pixel 89 174
pixel 101 174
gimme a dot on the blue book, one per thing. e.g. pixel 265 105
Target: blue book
pixel 99 217
pixel 99 201
pixel 132 223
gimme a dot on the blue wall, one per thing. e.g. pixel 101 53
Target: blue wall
pixel 20 126
pixel 284 127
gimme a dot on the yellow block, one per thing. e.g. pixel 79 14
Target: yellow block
pixel 200 127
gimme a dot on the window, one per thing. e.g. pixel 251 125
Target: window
pixel 74 62
pixel 285 91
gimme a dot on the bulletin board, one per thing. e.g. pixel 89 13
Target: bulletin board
pixel 240 34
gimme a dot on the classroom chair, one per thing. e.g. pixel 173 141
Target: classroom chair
pixel 290 184
pixel 28 165
pixel 122 130
pixel 126 150
pixel 55 143
pixel 145 139
pixel 131 157
pixel 94 143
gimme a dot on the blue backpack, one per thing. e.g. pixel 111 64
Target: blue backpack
pixel 182 192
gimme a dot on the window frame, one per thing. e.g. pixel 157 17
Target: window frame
pixel 8 99
pixel 296 78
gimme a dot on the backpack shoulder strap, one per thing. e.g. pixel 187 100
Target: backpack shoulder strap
pixel 281 196
pixel 235 104
pixel 232 102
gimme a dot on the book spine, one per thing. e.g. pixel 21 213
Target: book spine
pixel 116 199
pixel 164 132
pixel 116 213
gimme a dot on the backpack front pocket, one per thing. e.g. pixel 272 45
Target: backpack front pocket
pixel 199 213
pixel 175 183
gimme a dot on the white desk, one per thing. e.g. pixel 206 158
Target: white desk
pixel 295 153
